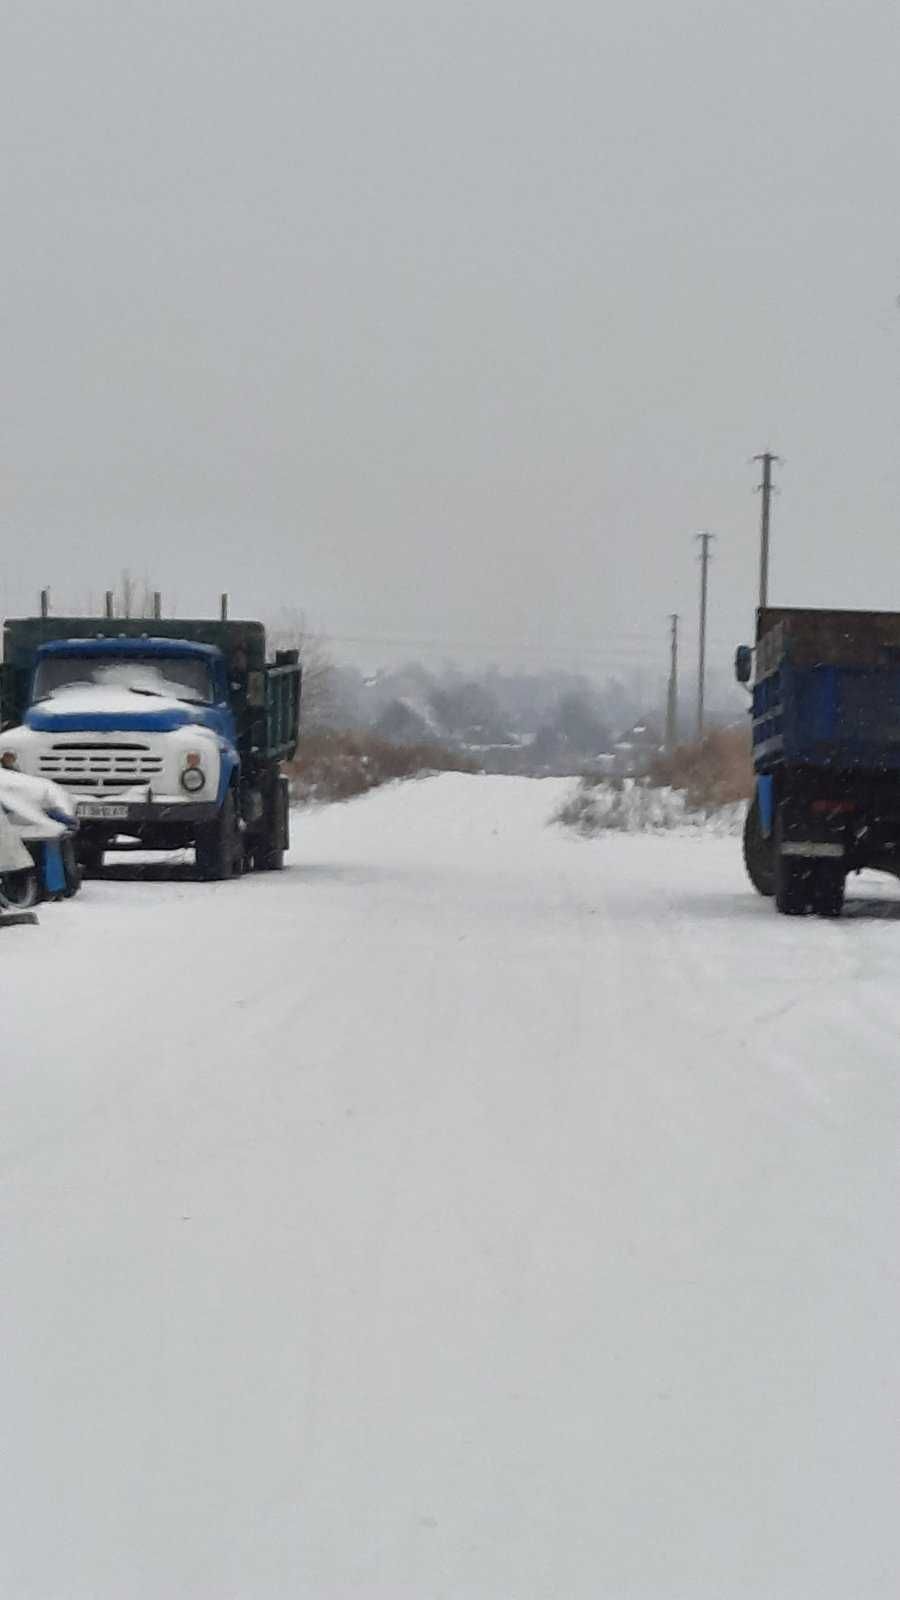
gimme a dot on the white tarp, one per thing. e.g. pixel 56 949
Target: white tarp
pixel 27 802
pixel 13 855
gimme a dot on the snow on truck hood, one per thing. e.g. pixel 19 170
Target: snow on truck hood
pixel 104 706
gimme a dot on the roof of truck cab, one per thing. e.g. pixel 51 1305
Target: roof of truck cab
pixel 113 645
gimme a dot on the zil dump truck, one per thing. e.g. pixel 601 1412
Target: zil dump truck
pixel 826 753
pixel 166 733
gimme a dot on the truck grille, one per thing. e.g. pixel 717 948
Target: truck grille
pixel 99 766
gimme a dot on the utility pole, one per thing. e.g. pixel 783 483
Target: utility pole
pixel 672 700
pixel 701 659
pixel 765 489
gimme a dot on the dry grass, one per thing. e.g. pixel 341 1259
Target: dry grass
pixel 338 765
pixel 699 785
pixel 715 772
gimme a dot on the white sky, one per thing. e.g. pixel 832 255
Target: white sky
pixel 451 322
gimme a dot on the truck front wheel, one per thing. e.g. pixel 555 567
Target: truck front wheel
pixel 759 852
pixel 71 868
pixel 20 890
pixel 220 847
pixel 90 857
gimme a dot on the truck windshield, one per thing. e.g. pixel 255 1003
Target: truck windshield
pixel 175 677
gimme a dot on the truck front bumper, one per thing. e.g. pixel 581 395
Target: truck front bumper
pixel 140 813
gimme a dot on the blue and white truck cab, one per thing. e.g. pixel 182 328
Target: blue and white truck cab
pixel 163 738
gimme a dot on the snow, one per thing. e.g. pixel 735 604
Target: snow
pixel 472 1210
pixel 153 677
pixel 109 699
pixel 103 684
pixel 637 807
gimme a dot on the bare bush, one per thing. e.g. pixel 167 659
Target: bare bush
pixel 288 631
pixel 635 805
pixel 333 764
pixel 716 771
pixel 702 785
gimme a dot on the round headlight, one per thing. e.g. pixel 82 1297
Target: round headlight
pixel 192 779
pixel 9 759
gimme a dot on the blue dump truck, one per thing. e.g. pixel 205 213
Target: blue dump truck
pixel 826 753
pixel 166 733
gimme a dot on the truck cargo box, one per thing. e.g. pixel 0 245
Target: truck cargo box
pixel 827 690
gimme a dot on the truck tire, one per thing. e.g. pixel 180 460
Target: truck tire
pixel 220 849
pixel 828 888
pixel 759 852
pixel 90 858
pixel 20 890
pixel 269 853
pixel 71 868
pixel 793 878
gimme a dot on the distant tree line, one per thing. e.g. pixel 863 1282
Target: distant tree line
pixel 551 722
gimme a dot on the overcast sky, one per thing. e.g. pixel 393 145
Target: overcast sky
pixel 451 320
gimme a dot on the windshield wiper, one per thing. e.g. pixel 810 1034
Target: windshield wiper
pixel 154 694
pixel 160 694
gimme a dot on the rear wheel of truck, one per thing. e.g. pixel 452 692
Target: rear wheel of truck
pixel 220 848
pixel 759 852
pixel 828 888
pixel 793 877
pixel 269 853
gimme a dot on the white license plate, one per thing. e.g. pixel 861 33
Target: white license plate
pixel 94 808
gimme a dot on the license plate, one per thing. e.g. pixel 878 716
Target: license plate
pixel 94 808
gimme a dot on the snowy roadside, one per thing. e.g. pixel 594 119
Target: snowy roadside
pixel 629 806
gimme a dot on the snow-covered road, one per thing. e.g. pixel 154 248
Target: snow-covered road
pixel 470 1211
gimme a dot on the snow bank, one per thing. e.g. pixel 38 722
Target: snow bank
pixel 632 807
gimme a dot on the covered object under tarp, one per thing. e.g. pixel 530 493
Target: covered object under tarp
pixel 13 855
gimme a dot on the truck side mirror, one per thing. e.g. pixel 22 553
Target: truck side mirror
pixel 743 663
